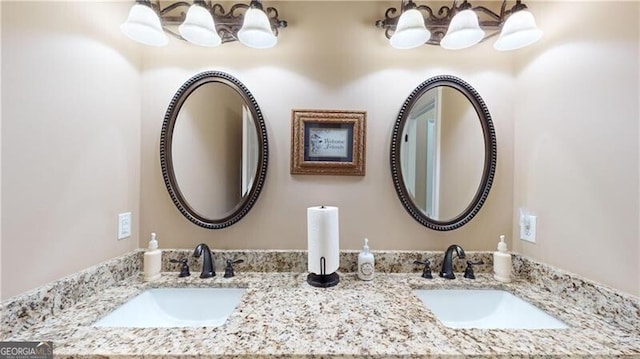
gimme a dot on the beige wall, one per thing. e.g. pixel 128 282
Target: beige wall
pixel 349 65
pixel 70 139
pixel 576 141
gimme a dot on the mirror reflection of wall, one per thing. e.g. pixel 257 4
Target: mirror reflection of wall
pixel 442 153
pixel 208 149
pixel 462 155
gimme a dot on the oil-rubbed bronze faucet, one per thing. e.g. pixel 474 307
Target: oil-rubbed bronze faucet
pixel 207 263
pixel 447 263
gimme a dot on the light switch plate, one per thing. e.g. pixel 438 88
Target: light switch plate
pixel 124 225
pixel 528 228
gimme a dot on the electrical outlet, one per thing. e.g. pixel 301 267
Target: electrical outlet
pixel 124 225
pixel 528 228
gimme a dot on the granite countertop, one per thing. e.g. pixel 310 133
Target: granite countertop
pixel 280 315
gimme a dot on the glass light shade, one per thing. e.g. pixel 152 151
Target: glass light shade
pixel 199 28
pixel 143 25
pixel 256 30
pixel 410 31
pixel 464 31
pixel 518 31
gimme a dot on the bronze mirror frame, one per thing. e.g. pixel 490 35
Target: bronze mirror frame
pixel 166 157
pixel 490 153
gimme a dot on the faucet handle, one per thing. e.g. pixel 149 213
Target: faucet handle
pixel 184 268
pixel 468 272
pixel 228 270
pixel 426 271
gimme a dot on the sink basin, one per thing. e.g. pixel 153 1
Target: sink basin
pixel 175 307
pixel 486 309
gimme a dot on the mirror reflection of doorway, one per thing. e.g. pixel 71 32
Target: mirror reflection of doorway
pixel 250 151
pixel 420 149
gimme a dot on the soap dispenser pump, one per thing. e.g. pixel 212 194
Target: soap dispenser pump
pixel 502 262
pixel 152 260
pixel 366 262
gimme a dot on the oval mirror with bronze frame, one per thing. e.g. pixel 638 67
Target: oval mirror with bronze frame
pixel 213 150
pixel 443 153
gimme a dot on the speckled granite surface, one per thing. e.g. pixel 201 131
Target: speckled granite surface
pixel 280 315
pixel 40 304
pixel 615 307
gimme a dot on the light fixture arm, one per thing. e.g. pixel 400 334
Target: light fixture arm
pixel 464 6
pixel 162 13
pixel 517 7
pixel 438 22
pixel 227 23
pixel 404 6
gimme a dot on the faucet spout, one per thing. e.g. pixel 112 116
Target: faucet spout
pixel 447 263
pixel 207 262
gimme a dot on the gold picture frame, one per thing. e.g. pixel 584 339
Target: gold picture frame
pixel 328 142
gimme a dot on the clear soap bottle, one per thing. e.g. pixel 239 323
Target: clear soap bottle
pixel 366 262
pixel 502 262
pixel 152 260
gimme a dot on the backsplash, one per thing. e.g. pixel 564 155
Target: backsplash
pixel 296 260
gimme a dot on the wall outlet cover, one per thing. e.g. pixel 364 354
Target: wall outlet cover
pixel 124 225
pixel 528 228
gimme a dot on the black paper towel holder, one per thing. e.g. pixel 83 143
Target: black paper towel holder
pixel 323 280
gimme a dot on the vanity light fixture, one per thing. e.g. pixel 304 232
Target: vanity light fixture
pixel 204 24
pixel 459 26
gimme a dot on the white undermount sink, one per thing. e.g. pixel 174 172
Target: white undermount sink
pixel 485 309
pixel 175 307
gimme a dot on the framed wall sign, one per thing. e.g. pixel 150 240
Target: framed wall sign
pixel 328 142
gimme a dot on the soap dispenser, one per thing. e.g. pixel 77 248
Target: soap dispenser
pixel 366 262
pixel 502 262
pixel 152 260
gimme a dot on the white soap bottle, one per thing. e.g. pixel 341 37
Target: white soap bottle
pixel 502 262
pixel 366 262
pixel 152 260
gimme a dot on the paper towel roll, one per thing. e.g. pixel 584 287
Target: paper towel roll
pixel 323 239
